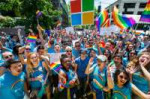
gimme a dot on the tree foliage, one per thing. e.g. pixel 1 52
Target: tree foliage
pixel 26 9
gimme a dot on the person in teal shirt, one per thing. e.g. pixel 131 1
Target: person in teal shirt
pixel 12 82
pixel 99 74
pixel 67 79
pixel 123 88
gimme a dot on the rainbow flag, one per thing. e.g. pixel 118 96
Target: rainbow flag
pixel 102 18
pixel 121 20
pixel 60 86
pixel 102 44
pixel 107 24
pixel 145 17
pixel 55 66
pixel 38 14
pixel 31 38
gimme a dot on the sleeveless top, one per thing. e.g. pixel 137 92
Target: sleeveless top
pixel 37 71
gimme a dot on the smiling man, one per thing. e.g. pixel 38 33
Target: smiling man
pixel 12 81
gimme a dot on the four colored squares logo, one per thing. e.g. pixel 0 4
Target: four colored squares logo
pixel 82 12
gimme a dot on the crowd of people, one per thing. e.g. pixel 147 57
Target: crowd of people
pixel 93 66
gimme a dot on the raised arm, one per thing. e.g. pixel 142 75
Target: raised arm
pixel 139 92
pixel 89 69
pixel 145 72
pixel 110 81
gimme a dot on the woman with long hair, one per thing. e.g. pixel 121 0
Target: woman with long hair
pixel 123 88
pixel 141 76
pixel 37 75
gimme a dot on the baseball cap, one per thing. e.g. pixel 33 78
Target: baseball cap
pixel 102 58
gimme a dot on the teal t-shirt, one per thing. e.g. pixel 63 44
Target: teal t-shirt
pixel 100 76
pixel 140 82
pixel 12 87
pixel 123 92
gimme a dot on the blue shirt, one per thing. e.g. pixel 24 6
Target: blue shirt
pixel 82 64
pixel 51 49
pixel 123 92
pixel 12 87
pixel 75 53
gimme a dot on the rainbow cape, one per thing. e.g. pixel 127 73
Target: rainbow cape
pixel 122 21
pixel 55 66
pixel 101 19
pixel 145 17
pixel 31 38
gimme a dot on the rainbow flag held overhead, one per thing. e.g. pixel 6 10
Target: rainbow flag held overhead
pixel 31 38
pixel 38 14
pixel 107 24
pixel 122 21
pixel 101 19
pixel 145 17
pixel 55 66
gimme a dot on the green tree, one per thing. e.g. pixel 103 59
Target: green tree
pixel 29 9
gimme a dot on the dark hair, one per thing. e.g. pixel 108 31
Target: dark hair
pixel 11 61
pixel 63 56
pixel 16 49
pixel 120 71
pixel 40 47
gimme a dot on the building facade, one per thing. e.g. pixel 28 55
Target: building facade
pixel 62 6
pixel 135 7
pixel 132 8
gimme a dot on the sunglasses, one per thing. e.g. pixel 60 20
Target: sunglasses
pixel 69 51
pixel 28 49
pixel 122 77
pixel 77 46
pixel 8 56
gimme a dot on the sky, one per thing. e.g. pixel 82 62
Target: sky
pixel 104 3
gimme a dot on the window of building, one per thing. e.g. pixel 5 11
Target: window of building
pixel 129 5
pixel 139 13
pixel 142 5
pixel 117 6
pixel 129 12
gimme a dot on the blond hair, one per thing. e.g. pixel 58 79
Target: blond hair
pixel 29 63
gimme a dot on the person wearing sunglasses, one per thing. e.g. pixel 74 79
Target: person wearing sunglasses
pixel 123 88
pixel 13 82
pixel 6 57
pixel 99 74
pixel 76 49
pixel 67 79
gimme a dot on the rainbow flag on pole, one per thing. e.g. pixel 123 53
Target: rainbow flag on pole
pixel 122 21
pixel 55 66
pixel 31 38
pixel 102 19
pixel 145 17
